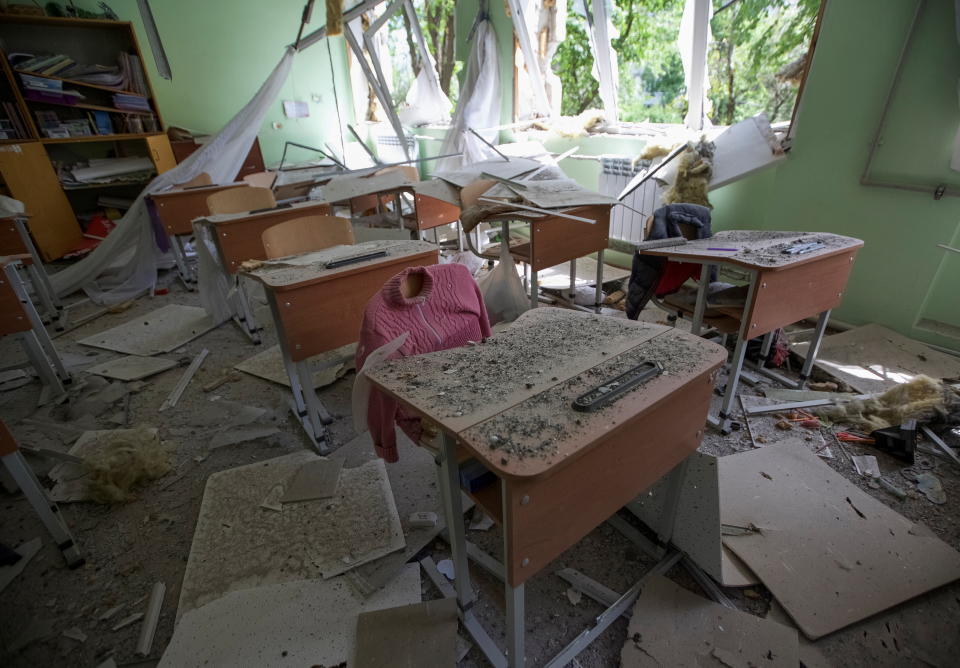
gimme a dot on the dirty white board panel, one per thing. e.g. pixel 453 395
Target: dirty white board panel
pixel 238 544
pixel 159 331
pixel 671 626
pixel 132 367
pixel 873 358
pixel 697 530
pixel 830 553
pixel 268 365
pixel 301 623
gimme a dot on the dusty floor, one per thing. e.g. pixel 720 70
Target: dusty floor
pixel 130 546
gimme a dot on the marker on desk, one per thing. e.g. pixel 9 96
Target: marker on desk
pixel 725 249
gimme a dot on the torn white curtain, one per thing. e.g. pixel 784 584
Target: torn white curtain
pixel 124 265
pixel 693 41
pixel 479 103
pixel 605 67
pixel 426 102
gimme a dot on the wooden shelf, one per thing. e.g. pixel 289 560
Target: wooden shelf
pixel 115 137
pixel 79 83
pixel 63 21
pixel 116 184
pixel 95 107
pixel 16 141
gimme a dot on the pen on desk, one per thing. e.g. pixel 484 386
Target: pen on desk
pixel 724 249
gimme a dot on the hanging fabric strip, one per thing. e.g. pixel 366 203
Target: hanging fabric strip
pixel 124 265
pixel 479 103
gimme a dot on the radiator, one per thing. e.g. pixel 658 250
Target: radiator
pixel 615 174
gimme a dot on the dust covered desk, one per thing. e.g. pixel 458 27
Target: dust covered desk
pixel 317 300
pixel 237 237
pixel 792 276
pixel 505 407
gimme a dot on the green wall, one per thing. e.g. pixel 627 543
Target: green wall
pixel 901 279
pixel 221 52
pixel 900 276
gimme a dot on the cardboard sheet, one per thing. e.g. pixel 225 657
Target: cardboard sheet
pixel 301 623
pixel 313 480
pixel 830 553
pixel 159 331
pixel 238 544
pixel 672 626
pixel 132 367
pixel 422 634
pixel 331 365
pixel 873 358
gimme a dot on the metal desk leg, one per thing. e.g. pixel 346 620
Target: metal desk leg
pixel 765 348
pixel 453 511
pixel 306 405
pixel 317 416
pixel 40 288
pixel 40 361
pixel 701 305
pixel 180 257
pixel 48 511
pixel 513 595
pixel 736 363
pixel 39 337
pixel 21 225
pixel 598 298
pixel 534 288
pixel 814 348
pixel 244 314
pixel 572 294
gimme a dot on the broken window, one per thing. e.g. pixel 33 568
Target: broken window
pixel 642 60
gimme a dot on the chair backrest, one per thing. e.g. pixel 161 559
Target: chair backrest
pixel 472 191
pixel 261 179
pixel 201 179
pixel 303 235
pixel 239 200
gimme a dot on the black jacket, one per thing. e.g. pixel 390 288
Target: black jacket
pixel 647 269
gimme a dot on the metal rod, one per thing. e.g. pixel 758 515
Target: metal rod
pixel 492 147
pixel 634 184
pixel 366 148
pixel 949 248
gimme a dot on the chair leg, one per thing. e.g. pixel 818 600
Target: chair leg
pixel 48 511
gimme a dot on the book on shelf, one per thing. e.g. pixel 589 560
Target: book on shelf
pixel 132 73
pixel 108 76
pixel 41 83
pixel 57 66
pixel 13 117
pixel 131 102
pixel 39 63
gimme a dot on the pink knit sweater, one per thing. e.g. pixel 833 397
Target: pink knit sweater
pixel 448 312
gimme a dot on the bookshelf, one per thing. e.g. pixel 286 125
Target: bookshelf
pixel 79 93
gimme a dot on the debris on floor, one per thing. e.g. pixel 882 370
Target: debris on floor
pixel 671 626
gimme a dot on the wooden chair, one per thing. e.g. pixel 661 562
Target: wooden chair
pixel 261 179
pixel 306 234
pixel 240 200
pixel 366 205
pixel 201 179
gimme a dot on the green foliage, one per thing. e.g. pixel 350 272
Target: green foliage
pixel 753 41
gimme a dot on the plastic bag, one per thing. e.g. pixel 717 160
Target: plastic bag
pixel 502 290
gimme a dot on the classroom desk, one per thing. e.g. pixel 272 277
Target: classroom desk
pixel 435 202
pixel 783 289
pixel 318 309
pixel 237 238
pixel 555 239
pixel 15 239
pixel 19 317
pixel 176 209
pixel 559 473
